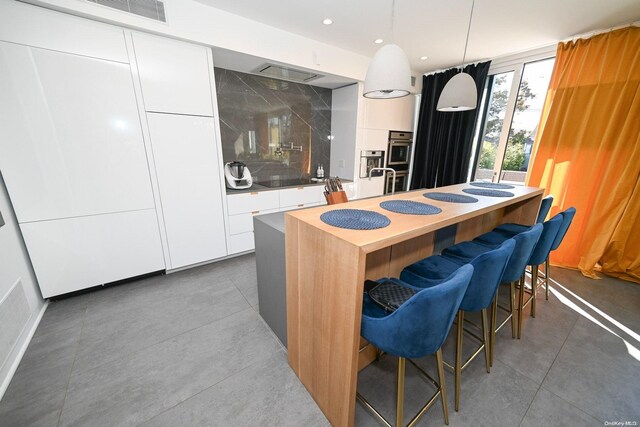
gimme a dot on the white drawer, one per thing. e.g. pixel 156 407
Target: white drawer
pixel 300 195
pixel 300 206
pixel 242 242
pixel 243 223
pixel 251 202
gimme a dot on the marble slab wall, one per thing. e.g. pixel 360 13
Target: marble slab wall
pixel 261 117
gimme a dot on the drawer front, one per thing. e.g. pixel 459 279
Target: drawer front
pixel 300 206
pixel 243 223
pixel 300 195
pixel 251 202
pixel 242 242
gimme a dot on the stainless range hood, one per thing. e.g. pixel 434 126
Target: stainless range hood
pixel 286 73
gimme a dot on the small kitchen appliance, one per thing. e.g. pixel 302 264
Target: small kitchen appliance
pixel 237 175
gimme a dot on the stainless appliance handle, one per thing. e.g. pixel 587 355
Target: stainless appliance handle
pixel 393 184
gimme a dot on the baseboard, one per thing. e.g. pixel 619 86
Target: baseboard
pixel 25 343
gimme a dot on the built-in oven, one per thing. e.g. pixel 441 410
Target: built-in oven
pixel 399 153
pixel 370 159
pixel 401 180
pixel 399 159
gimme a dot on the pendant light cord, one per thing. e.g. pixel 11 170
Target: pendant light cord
pixel 464 55
pixel 393 18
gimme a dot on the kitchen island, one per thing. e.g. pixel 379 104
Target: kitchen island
pixel 326 268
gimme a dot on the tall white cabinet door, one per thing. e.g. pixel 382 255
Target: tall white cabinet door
pixel 174 75
pixel 187 167
pixel 70 135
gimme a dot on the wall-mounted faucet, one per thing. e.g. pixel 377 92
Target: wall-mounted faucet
pixel 291 147
pixel 393 176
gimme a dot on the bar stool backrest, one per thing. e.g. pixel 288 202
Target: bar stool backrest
pixel 488 269
pixel 525 244
pixel 420 325
pixel 545 207
pixel 543 247
pixel 567 217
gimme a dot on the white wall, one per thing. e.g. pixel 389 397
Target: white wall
pixel 344 124
pixel 190 20
pixel 15 266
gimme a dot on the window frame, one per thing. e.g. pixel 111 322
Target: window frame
pixel 512 63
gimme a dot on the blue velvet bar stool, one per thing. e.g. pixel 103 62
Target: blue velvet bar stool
pixel 416 329
pixel 567 218
pixel 545 207
pixel 540 253
pixel 513 273
pixel 488 269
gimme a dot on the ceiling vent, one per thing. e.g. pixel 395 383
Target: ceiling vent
pixel 152 9
pixel 284 73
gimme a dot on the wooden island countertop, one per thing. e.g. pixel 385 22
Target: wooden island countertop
pixel 327 266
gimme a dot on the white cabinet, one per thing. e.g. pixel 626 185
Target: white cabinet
pixel 301 196
pixel 187 168
pixel 70 135
pixel 77 253
pixel 174 75
pixel 36 26
pixel 390 114
pixel 252 202
pixel 244 206
pixel 75 166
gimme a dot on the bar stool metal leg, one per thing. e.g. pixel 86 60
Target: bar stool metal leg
pixel 443 391
pixel 534 289
pixel 458 367
pixel 520 306
pixel 400 393
pixel 492 328
pixel 546 278
pixel 512 304
pixel 485 339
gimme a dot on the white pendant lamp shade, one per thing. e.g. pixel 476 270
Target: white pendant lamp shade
pixel 389 74
pixel 459 94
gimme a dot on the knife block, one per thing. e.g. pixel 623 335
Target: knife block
pixel 336 197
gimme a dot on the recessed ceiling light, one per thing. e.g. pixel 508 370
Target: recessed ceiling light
pixel 327 21
pixel 422 58
pixel 378 41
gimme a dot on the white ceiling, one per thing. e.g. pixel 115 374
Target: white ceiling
pixel 437 28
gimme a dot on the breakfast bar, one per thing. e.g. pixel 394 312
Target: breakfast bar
pixel 326 267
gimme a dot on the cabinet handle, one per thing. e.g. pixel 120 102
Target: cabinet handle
pixel 300 188
pixel 254 193
pixel 255 212
pixel 300 205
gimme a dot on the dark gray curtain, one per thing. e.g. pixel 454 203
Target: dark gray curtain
pixel 443 140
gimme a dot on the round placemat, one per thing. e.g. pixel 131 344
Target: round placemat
pixel 355 219
pixel 493 185
pixel 410 207
pixel 490 193
pixel 450 197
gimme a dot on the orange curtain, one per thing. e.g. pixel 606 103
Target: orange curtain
pixel 587 152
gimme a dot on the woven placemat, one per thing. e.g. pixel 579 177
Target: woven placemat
pixel 410 207
pixel 493 185
pixel 450 197
pixel 355 219
pixel 490 193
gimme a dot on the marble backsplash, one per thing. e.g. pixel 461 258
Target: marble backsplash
pixel 261 118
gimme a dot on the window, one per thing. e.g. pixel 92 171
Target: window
pixel 508 122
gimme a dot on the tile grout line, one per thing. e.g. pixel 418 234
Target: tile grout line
pixel 73 364
pixel 203 390
pixel 273 334
pixel 200 392
pixel 164 340
pixel 548 370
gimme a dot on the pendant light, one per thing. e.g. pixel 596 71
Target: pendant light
pixel 389 73
pixel 460 92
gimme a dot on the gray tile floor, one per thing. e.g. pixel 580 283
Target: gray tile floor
pixel 191 349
